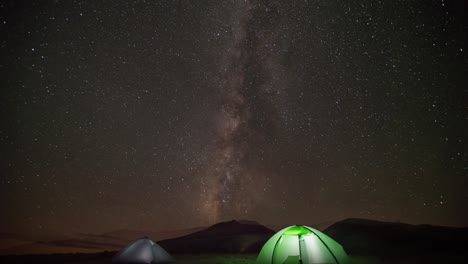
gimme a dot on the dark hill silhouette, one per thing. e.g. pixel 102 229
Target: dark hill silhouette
pixel 368 237
pixel 226 237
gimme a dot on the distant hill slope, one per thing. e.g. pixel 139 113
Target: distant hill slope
pixel 368 237
pixel 226 237
pixel 10 244
pixel 319 226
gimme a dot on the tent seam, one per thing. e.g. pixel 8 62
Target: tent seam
pixel 323 242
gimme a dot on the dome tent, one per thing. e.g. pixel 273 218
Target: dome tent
pixel 301 244
pixel 142 250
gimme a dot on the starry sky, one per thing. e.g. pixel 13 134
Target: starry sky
pixel 160 115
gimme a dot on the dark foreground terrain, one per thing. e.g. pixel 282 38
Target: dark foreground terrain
pixel 105 258
pixel 238 242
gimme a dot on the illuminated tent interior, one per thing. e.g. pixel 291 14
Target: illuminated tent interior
pixel 301 245
pixel 144 251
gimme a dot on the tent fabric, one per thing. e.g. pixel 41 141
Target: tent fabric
pixel 301 245
pixel 142 251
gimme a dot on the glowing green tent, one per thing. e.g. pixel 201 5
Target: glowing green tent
pixel 301 244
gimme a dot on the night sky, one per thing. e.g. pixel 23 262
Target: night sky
pixel 160 115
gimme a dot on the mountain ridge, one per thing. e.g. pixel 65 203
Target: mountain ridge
pixel 243 236
pixel 377 238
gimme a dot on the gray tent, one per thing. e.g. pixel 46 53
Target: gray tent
pixel 143 251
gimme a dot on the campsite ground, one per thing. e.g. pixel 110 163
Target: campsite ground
pixel 105 258
pixel 215 259
pixel 242 259
pixel 250 259
pixel 409 259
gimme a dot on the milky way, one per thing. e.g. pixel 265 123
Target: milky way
pixel 228 175
pixel 251 83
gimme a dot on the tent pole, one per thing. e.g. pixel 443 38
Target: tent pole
pixel 300 254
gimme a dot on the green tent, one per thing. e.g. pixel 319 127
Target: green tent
pixel 301 244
